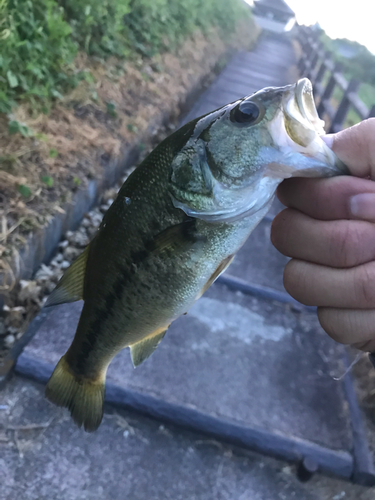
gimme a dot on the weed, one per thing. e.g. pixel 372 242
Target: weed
pixel 111 109
pixel 15 127
pixel 24 190
pixel 132 128
pixel 53 153
pixel 39 39
pixel 47 180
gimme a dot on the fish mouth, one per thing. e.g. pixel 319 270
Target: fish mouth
pixel 306 105
pixel 304 128
pixel 302 121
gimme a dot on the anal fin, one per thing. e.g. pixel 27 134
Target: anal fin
pixel 144 348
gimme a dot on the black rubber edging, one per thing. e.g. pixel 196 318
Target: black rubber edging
pixel 338 463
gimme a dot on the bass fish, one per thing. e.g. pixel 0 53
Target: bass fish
pixel 175 226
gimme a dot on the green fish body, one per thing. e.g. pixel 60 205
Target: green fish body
pixel 175 226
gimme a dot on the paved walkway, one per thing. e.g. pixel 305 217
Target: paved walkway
pixel 246 367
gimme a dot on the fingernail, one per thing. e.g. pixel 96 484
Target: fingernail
pixel 362 206
pixel 328 139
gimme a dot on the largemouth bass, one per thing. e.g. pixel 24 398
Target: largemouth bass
pixel 174 228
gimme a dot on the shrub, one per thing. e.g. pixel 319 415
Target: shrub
pixel 35 50
pixel 98 25
pixel 40 38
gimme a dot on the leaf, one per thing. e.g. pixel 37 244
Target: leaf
pixel 53 153
pixel 55 93
pixel 48 180
pixel 24 190
pixel 14 126
pixel 132 128
pixel 12 79
pixel 41 137
pixel 88 77
pixel 77 181
pixel 111 109
pixel 25 130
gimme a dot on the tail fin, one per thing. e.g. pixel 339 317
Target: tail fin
pixel 84 397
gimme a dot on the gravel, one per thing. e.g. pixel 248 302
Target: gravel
pixel 31 295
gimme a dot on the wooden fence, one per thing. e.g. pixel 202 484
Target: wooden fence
pixel 314 63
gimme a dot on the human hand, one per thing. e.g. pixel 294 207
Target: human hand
pixel 329 232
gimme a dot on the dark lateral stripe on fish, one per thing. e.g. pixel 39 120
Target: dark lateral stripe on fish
pixel 102 315
pixel 125 274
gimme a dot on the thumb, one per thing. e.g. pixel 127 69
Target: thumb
pixel 355 146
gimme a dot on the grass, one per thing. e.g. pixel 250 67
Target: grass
pixel 40 39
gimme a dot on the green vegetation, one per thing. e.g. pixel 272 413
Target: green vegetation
pixel 24 191
pixel 35 50
pixel 47 180
pixel 39 39
pixel 15 127
pixel 360 66
pixel 367 94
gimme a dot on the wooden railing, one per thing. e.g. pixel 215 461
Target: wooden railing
pixel 314 63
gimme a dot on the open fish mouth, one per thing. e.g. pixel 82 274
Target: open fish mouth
pixel 306 105
pixel 302 121
pixel 304 129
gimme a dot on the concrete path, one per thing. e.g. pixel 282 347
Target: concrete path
pixel 240 368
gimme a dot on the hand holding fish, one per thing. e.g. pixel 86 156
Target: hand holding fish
pixel 328 230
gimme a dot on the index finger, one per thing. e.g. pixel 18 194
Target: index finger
pixel 355 146
pixel 324 199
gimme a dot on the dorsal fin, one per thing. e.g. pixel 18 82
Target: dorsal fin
pixel 70 286
pixel 144 348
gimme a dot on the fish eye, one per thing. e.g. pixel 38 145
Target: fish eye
pixel 247 113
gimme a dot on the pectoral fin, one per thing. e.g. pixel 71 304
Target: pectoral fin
pixel 70 287
pixel 178 238
pixel 143 349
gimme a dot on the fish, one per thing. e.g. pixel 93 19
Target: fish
pixel 175 226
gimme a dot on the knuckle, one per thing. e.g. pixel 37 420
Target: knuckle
pixel 345 244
